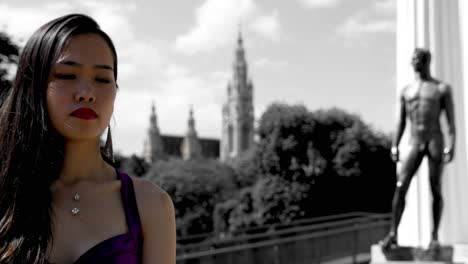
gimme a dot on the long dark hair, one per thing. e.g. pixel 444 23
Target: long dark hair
pixel 31 151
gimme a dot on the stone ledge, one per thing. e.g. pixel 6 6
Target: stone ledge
pixel 401 255
pixel 416 262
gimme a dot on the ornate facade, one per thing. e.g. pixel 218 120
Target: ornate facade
pixel 153 149
pixel 158 146
pixel 191 148
pixel 237 124
pixel 238 111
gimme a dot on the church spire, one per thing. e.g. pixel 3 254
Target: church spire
pixel 238 111
pixel 153 149
pixel 240 64
pixel 239 37
pixel 191 121
pixel 240 53
pixel 191 148
pixel 153 117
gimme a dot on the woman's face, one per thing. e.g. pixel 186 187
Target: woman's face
pixel 81 88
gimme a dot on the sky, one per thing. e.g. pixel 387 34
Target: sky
pixel 319 53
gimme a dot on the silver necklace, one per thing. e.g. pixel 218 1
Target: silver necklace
pixel 76 210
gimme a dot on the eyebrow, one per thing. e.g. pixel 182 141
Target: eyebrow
pixel 74 63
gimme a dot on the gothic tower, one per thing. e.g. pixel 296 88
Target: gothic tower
pixel 153 149
pixel 238 112
pixel 191 148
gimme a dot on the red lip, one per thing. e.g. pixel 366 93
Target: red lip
pixel 84 113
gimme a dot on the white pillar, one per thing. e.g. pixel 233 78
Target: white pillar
pixel 435 25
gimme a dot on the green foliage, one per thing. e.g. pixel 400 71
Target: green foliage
pixel 316 163
pixel 284 133
pixel 195 188
pixel 8 57
pixel 223 214
pixel 135 165
pixel 242 214
pixel 246 168
pixel 305 164
pixel 279 200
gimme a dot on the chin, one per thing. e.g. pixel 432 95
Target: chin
pixel 83 134
pixel 82 138
pixel 75 129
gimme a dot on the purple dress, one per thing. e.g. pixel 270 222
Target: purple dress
pixel 125 248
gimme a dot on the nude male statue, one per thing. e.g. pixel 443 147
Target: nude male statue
pixel 422 103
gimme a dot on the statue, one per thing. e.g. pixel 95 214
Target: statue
pixel 422 103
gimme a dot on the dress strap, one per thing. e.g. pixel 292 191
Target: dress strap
pixel 130 205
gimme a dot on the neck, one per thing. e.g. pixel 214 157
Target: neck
pixel 423 75
pixel 83 161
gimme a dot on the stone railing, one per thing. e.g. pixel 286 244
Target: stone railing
pixel 335 239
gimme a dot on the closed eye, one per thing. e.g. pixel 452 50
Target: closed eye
pixel 103 80
pixel 65 76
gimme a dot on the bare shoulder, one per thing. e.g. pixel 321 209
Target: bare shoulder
pixel 445 88
pixel 157 221
pixel 145 188
pixel 404 91
pixel 152 200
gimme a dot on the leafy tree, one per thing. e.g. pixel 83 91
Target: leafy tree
pixel 195 188
pixel 284 132
pixel 315 163
pixel 246 168
pixel 279 200
pixel 305 164
pixel 222 215
pixel 8 57
pixel 135 165
pixel 360 154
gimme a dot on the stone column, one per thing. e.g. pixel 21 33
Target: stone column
pixel 437 26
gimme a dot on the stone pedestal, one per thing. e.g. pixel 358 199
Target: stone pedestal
pixel 457 254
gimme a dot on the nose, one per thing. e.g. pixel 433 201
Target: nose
pixel 85 93
pixel 89 99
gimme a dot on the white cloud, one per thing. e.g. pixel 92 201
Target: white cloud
pixel 21 22
pixel 379 18
pixel 189 87
pixel 268 63
pixel 358 26
pixel 175 71
pixel 178 88
pixel 107 6
pixel 216 24
pixel 268 25
pixel 385 7
pixel 319 3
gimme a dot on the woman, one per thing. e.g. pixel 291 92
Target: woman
pixel 60 201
